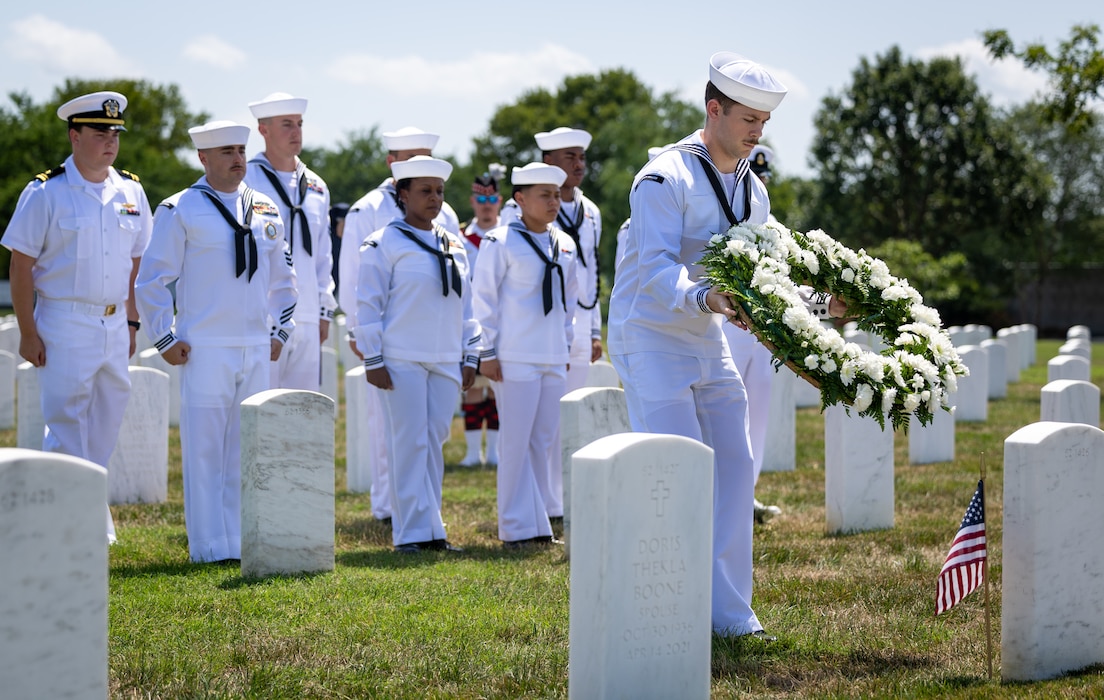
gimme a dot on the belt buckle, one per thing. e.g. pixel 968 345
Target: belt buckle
pixel 109 310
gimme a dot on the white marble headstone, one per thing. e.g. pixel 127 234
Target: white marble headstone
pixel 934 442
pixel 971 401
pixel 1077 346
pixel 1052 610
pixel 358 476
pixel 1032 334
pixel 641 570
pixel 30 426
pixel 1070 401
pixel 1068 367
pixel 858 472
pixel 586 415
pixel 1080 331
pixel 997 350
pixel 1012 339
pixel 329 373
pixel 154 359
pixel 9 337
pixel 287 464
pixel 602 373
pixel 138 471
pixel 53 610
pixel 7 390
pixel 780 446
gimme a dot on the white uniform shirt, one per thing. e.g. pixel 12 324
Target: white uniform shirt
pixel 194 245
pixel 402 313
pixel 588 313
pixel 509 297
pixel 369 214
pixel 658 299
pixel 313 272
pixel 82 235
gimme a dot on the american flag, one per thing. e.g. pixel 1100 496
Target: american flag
pixel 963 571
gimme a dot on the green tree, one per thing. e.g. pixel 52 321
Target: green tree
pixel 33 139
pixel 913 151
pixel 1065 135
pixel 621 113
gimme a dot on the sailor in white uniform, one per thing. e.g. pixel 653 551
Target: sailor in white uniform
pixel 665 333
pixel 223 244
pixel 304 203
pixel 77 235
pixel 579 218
pixel 369 214
pixel 525 289
pixel 418 372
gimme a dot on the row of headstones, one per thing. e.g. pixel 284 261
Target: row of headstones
pixel 53 642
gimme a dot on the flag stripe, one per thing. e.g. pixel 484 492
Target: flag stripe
pixel 964 568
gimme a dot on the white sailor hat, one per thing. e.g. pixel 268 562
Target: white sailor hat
pixel 562 137
pixel 409 138
pixel 745 81
pixel 278 104
pixel 99 110
pixel 421 166
pixel 219 133
pixel 760 159
pixel 538 174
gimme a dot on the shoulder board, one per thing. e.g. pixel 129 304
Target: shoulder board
pixel 129 175
pixel 51 173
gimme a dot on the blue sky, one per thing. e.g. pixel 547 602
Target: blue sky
pixel 446 66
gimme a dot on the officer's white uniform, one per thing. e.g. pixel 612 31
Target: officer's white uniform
pixel 298 366
pixel 670 351
pixel 369 214
pixel 225 320
pixel 533 350
pixel 400 293
pixel 83 237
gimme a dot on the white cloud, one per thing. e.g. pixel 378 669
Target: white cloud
pixel 214 51
pixel 484 75
pixel 66 50
pixel 1007 82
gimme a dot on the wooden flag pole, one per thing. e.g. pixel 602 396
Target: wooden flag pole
pixel 985 576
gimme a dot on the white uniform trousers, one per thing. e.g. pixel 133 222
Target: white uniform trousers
pixel 300 362
pixel 703 398
pixel 213 383
pixel 418 412
pixel 529 449
pixel 84 385
pixel 753 362
pixel 375 422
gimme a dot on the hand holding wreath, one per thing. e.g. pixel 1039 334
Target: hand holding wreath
pixel 761 266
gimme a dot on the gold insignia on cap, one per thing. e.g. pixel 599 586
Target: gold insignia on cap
pixel 270 231
pixel 111 108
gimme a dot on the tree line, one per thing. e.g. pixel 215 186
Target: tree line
pixel 910 160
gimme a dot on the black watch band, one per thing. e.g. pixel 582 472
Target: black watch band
pixel 134 324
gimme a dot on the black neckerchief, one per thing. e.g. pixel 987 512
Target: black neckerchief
pixel 743 168
pixel 550 264
pixel 440 252
pixel 295 209
pixel 242 232
pixel 571 228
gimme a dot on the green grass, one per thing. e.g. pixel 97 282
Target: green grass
pixel 854 614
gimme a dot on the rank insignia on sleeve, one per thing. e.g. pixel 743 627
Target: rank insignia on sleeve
pixel 269 229
pixel 265 209
pixel 129 209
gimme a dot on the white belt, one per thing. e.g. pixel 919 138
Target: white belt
pixel 79 307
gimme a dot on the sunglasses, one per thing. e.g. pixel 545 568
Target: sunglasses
pixel 486 198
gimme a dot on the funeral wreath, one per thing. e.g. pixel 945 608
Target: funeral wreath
pixel 764 266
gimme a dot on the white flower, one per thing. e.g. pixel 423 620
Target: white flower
pixel 864 394
pixel 716 238
pixel 887 399
pixel 848 275
pixel 828 365
pixel 812 361
pixel 912 402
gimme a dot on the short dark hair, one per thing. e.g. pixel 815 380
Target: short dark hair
pixel 712 92
pixel 400 185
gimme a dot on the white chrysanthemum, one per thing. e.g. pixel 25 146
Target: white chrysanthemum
pixel 911 403
pixel 828 365
pixel 864 394
pixel 812 361
pixel 888 397
pixel 848 275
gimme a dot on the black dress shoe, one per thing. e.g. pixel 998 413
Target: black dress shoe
pixel 443 546
pixel 543 540
pixel 409 548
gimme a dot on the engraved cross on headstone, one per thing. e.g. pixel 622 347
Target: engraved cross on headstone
pixel 660 494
